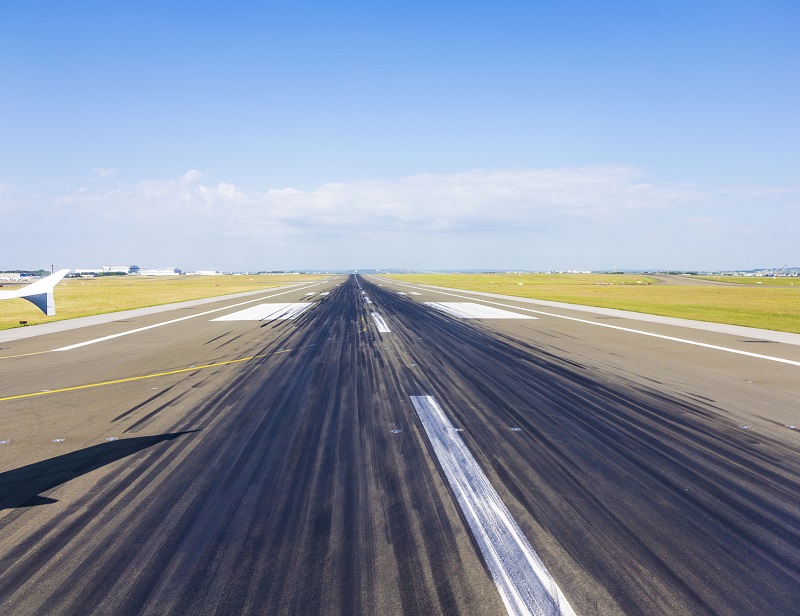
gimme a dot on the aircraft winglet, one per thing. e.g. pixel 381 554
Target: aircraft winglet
pixel 39 293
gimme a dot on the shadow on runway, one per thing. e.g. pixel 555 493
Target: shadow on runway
pixel 21 487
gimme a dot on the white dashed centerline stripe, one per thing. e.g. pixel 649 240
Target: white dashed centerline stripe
pixel 380 323
pixel 524 584
pixel 191 316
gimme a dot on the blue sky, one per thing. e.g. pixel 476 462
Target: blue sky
pixel 522 135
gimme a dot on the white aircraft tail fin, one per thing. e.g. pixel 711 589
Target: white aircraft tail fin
pixel 39 293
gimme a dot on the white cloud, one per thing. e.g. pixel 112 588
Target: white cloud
pixel 593 210
pixel 104 172
pixel 488 199
pixel 190 177
pixel 228 191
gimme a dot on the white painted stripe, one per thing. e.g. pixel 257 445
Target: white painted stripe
pixel 681 340
pixel 400 293
pixel 309 294
pixel 525 585
pixel 414 293
pixel 469 310
pixel 781 360
pixel 191 316
pixel 267 312
pixel 381 324
pixel 325 293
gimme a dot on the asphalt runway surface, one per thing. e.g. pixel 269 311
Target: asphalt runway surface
pixel 320 464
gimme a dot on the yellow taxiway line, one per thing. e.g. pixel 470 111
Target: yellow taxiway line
pixel 138 378
pixel 23 355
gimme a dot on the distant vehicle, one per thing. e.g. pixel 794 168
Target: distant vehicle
pixel 39 293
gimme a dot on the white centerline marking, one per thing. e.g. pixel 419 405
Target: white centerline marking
pixel 524 584
pixel 191 316
pixel 380 323
pixel 781 360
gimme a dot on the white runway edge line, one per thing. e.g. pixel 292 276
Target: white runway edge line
pixel 191 316
pixel 705 345
pixel 380 323
pixel 524 584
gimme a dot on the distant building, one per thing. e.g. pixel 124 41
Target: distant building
pixel 164 271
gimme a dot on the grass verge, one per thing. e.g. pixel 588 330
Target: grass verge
pixel 76 297
pixel 775 308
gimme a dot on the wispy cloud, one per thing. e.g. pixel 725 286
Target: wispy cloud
pixel 104 172
pixel 594 213
pixel 485 199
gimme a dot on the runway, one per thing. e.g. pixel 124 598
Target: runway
pixel 360 446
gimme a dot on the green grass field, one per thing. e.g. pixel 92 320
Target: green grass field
pixel 76 297
pixel 766 307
